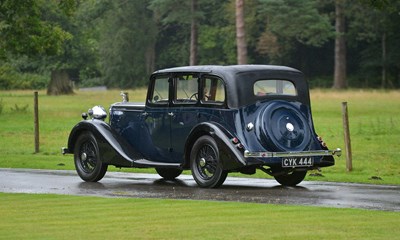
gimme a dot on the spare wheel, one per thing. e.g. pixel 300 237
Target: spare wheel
pixel 282 127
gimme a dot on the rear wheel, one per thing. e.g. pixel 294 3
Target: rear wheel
pixel 169 173
pixel 291 179
pixel 205 165
pixel 86 157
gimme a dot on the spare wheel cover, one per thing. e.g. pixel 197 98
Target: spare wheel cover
pixel 283 127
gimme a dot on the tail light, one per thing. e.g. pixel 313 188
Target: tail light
pixel 323 144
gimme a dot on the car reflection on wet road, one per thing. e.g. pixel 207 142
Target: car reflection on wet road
pixel 115 184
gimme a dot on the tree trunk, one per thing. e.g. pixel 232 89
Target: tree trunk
pixel 383 83
pixel 150 58
pixel 193 35
pixel 340 80
pixel 60 83
pixel 240 33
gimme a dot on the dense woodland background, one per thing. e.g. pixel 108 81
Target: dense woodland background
pixel 119 43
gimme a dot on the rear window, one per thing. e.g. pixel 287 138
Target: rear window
pixel 274 87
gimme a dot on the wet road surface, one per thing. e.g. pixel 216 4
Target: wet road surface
pixel 114 184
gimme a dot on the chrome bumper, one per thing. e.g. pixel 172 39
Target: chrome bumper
pixel 316 153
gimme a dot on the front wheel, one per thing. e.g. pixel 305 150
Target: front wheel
pixel 87 160
pixel 205 165
pixel 291 179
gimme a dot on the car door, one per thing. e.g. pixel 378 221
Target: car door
pixel 157 120
pixel 183 111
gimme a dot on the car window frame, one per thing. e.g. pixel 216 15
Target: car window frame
pixel 175 79
pixel 151 91
pixel 202 84
pixel 276 94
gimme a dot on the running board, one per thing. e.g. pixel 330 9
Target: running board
pixel 148 163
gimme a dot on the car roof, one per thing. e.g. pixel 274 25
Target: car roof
pixel 233 69
pixel 239 79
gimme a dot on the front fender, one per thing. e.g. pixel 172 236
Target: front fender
pixel 113 148
pixel 230 156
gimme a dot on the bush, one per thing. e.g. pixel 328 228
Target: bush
pixel 12 79
pixel 93 82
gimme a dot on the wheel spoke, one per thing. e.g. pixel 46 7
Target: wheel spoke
pixel 204 163
pixel 208 170
pixel 89 162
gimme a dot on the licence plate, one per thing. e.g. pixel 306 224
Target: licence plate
pixel 297 162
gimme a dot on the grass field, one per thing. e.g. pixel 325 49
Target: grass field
pixel 375 131
pixel 26 216
pixel 374 126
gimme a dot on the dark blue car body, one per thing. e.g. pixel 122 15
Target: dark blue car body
pixel 212 120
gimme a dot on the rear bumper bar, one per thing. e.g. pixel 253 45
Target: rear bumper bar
pixel 316 153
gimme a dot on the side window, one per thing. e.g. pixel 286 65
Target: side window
pixel 274 87
pixel 160 91
pixel 213 90
pixel 186 89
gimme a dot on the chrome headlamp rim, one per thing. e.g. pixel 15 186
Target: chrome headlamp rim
pixel 98 112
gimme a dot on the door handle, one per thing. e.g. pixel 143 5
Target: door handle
pixel 144 115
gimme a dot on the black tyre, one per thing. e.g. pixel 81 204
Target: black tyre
pixel 169 173
pixel 205 165
pixel 86 157
pixel 291 179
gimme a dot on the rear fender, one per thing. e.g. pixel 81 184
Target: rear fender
pixel 230 156
pixel 114 150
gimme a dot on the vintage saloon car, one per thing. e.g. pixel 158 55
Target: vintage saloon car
pixel 210 119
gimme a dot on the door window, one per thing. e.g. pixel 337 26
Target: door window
pixel 186 89
pixel 160 91
pixel 213 91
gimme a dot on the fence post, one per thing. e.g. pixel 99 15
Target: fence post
pixel 36 121
pixel 347 142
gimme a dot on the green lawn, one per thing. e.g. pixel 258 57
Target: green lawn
pixel 374 126
pixel 375 130
pixel 26 216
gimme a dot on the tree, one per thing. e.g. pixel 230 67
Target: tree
pixel 217 32
pixel 240 33
pixel 340 81
pixel 29 28
pixel 175 12
pixel 126 46
pixel 193 34
pixel 24 31
pixel 290 25
pixel 374 26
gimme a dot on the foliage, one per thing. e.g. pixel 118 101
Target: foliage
pixel 376 32
pixel 120 43
pixel 11 78
pixel 126 51
pixel 297 21
pixel 19 109
pixel 24 31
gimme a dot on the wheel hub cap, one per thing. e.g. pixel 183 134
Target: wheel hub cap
pixel 289 127
pixel 202 162
pixel 83 156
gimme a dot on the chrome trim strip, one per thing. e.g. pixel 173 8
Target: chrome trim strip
pixel 316 153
